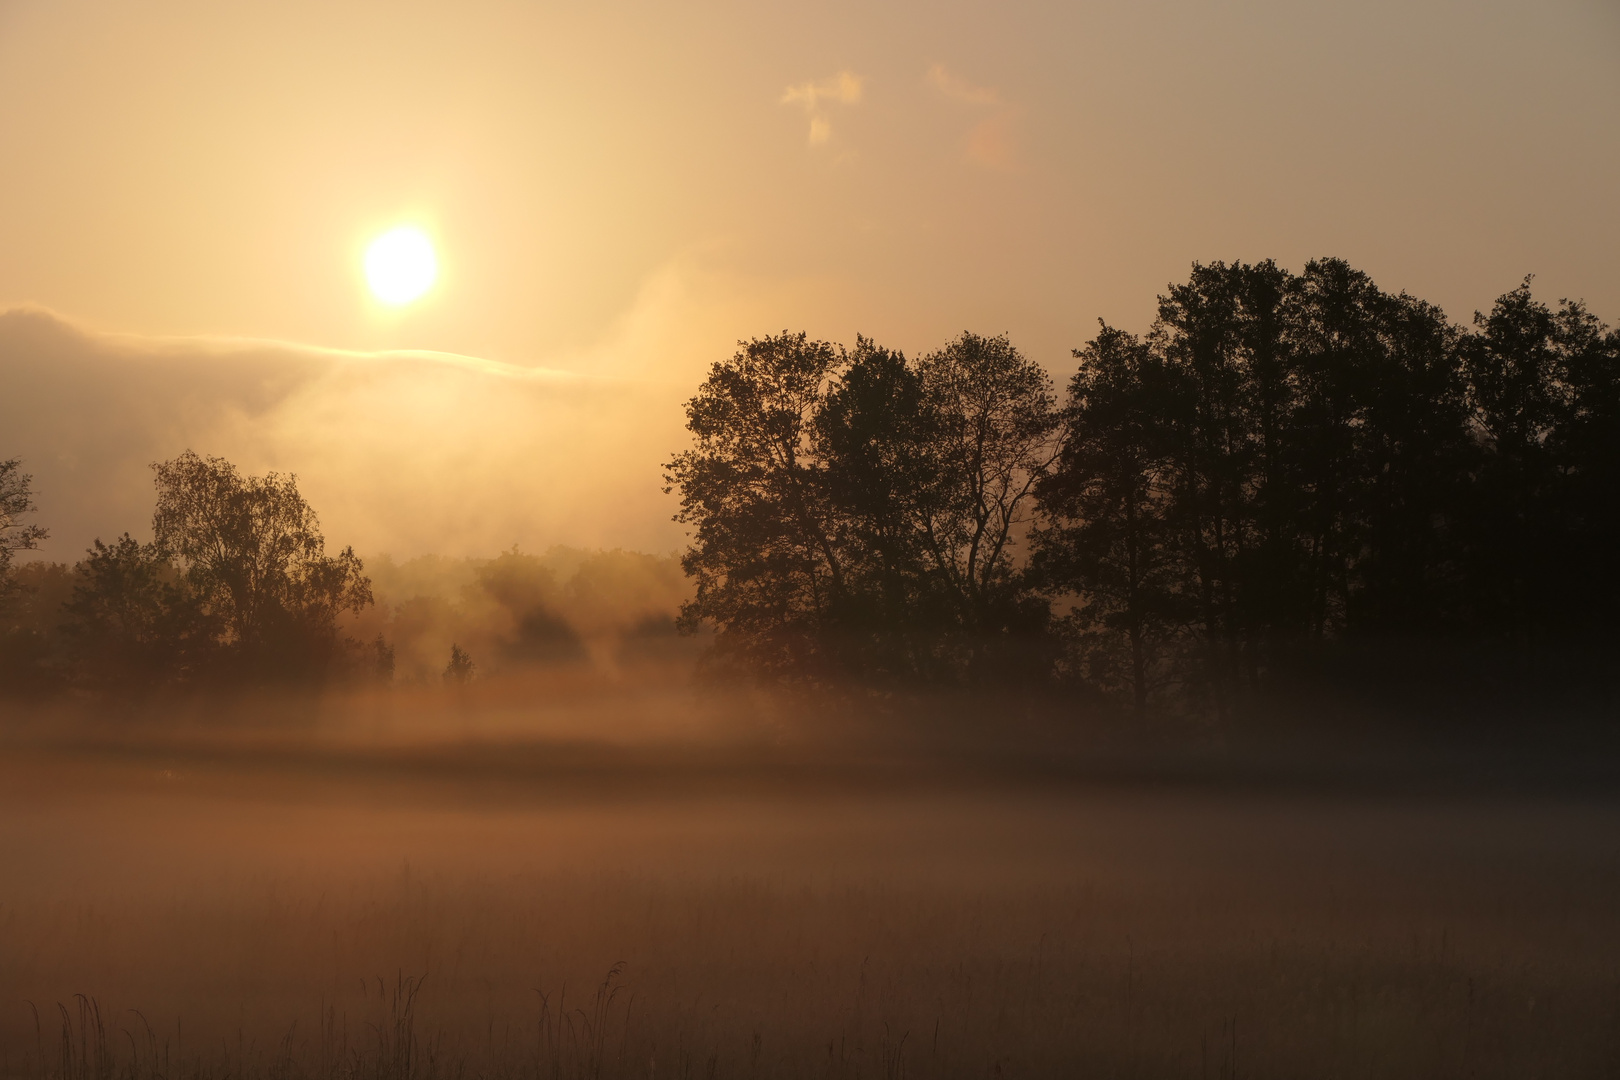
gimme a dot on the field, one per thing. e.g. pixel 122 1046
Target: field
pixel 487 906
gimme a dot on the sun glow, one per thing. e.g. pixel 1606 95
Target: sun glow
pixel 400 265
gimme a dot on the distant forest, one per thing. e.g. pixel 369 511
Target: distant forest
pixel 1295 490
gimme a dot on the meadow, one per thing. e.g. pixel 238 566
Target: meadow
pixel 377 897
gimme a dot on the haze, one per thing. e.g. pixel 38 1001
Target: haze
pixel 623 191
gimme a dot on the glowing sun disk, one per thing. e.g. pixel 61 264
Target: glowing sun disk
pixel 400 265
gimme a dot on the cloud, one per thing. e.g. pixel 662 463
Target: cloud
pixel 844 88
pixel 958 89
pixel 992 141
pixel 404 451
pixel 401 451
pixel 993 144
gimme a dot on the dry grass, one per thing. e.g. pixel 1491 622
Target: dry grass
pixel 280 920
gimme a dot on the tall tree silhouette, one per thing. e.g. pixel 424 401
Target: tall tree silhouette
pixel 1302 474
pixel 1110 505
pixel 1380 453
pixel 251 550
pixel 874 431
pixel 1544 385
pixel 856 512
pixel 16 504
pixel 996 435
pixel 764 555
pixel 1223 333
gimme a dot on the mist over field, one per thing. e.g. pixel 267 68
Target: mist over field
pixel 270 915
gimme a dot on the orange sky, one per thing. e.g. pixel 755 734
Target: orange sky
pixel 620 191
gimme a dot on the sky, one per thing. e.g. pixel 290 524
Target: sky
pixel 618 192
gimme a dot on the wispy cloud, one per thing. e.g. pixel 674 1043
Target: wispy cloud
pixel 843 88
pixel 993 143
pixel 959 89
pixel 992 140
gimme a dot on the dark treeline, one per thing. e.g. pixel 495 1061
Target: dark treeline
pixel 1292 488
pixel 235 589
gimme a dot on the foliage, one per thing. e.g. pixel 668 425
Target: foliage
pixel 134 622
pixel 460 669
pixel 253 557
pixel 1304 482
pixel 526 592
pixel 16 503
pixel 1108 503
pixel 856 512
pixel 236 589
pixel 1291 484
pixel 31 642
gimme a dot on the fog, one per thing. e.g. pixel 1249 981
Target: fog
pixel 261 914
pixel 403 452
pixel 592 860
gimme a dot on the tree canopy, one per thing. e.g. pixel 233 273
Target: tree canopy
pixel 251 551
pixel 16 504
pixel 858 511
pixel 1290 481
pixel 236 587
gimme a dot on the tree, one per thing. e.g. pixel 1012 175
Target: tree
pixel 1109 506
pixel 993 437
pixel 526 592
pixel 859 514
pixel 134 622
pixel 1223 333
pixel 1588 445
pixel 382 659
pixel 24 649
pixel 461 668
pixel 930 468
pixel 16 503
pixel 1307 479
pixel 1380 452
pixel 1543 526
pixel 764 553
pixel 251 550
pixel 873 432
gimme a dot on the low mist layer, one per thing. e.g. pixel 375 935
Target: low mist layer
pixel 404 452
pixel 605 608
pixel 256 920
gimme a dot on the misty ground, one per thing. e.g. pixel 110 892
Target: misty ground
pixel 260 893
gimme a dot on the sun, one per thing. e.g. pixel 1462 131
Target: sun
pixel 400 265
